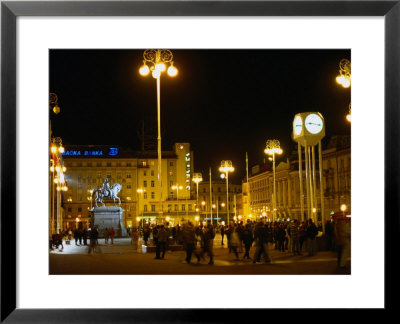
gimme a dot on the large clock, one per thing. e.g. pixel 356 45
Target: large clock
pixel 308 128
pixel 297 125
pixel 313 123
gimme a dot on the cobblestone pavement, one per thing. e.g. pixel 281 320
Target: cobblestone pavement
pixel 124 258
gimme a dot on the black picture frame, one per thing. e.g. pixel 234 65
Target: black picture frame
pixel 10 10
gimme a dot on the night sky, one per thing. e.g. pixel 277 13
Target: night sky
pixel 224 102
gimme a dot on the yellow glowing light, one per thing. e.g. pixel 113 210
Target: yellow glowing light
pixel 65 188
pixel 172 71
pixel 77 220
pixel 138 219
pixel 56 109
pixel 156 74
pixel 53 149
pixel 197 218
pixel 213 206
pixel 348 117
pixel 56 180
pixel 58 168
pixel 64 169
pixel 144 70
pixel 223 205
pixel 58 188
pixel 160 67
pixel 343 207
pixel 139 190
pixel 52 168
pixel 203 203
pixel 61 149
pixel 167 219
pixel 314 210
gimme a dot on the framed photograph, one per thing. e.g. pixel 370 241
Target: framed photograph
pixel 247 71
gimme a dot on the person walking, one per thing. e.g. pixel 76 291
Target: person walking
pixel 342 232
pixel 161 242
pixel 76 236
pixel 188 240
pixel 94 234
pixel 209 234
pixel 146 235
pixel 302 234
pixel 281 235
pixel 234 242
pixel 106 234
pixel 112 234
pixel 84 236
pixel 222 234
pixel 294 237
pixel 311 234
pixel 261 239
pixel 247 240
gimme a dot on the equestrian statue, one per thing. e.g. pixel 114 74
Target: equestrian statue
pixel 107 191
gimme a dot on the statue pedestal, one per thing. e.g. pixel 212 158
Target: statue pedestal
pixel 107 217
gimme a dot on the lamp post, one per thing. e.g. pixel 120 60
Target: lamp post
pixel 273 147
pixel 226 167
pixel 348 116
pixel 197 178
pixel 157 60
pixel 343 208
pixel 58 180
pixel 344 77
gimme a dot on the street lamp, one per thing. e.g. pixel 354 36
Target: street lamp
pixel 343 208
pixel 157 60
pixel 226 167
pixel 344 77
pixel 273 147
pixel 197 178
pixel 348 116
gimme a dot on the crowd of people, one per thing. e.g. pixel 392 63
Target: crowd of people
pixel 293 237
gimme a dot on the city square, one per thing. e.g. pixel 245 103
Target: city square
pixel 162 151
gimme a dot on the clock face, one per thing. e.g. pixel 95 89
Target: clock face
pixel 297 125
pixel 314 123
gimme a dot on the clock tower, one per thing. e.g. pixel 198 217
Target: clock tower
pixel 308 128
pixel 308 131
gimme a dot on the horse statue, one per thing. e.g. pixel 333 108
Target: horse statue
pixel 107 192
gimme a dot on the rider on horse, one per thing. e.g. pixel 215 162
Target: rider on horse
pixel 106 188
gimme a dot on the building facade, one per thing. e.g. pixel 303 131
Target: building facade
pixel 219 200
pixel 336 165
pixel 136 171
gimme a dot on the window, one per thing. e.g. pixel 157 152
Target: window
pixel 171 163
pixel 144 173
pixel 152 183
pixel 129 186
pixel 144 183
pixel 89 164
pixel 145 208
pixel 128 164
pixel 183 207
pixel 152 173
pixel 169 207
pixel 145 195
pixel 128 175
pixel 176 207
pixel 219 189
pixel 69 209
pixel 153 208
pixel 153 195
pixel 190 207
pixel 79 209
pixel 108 164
